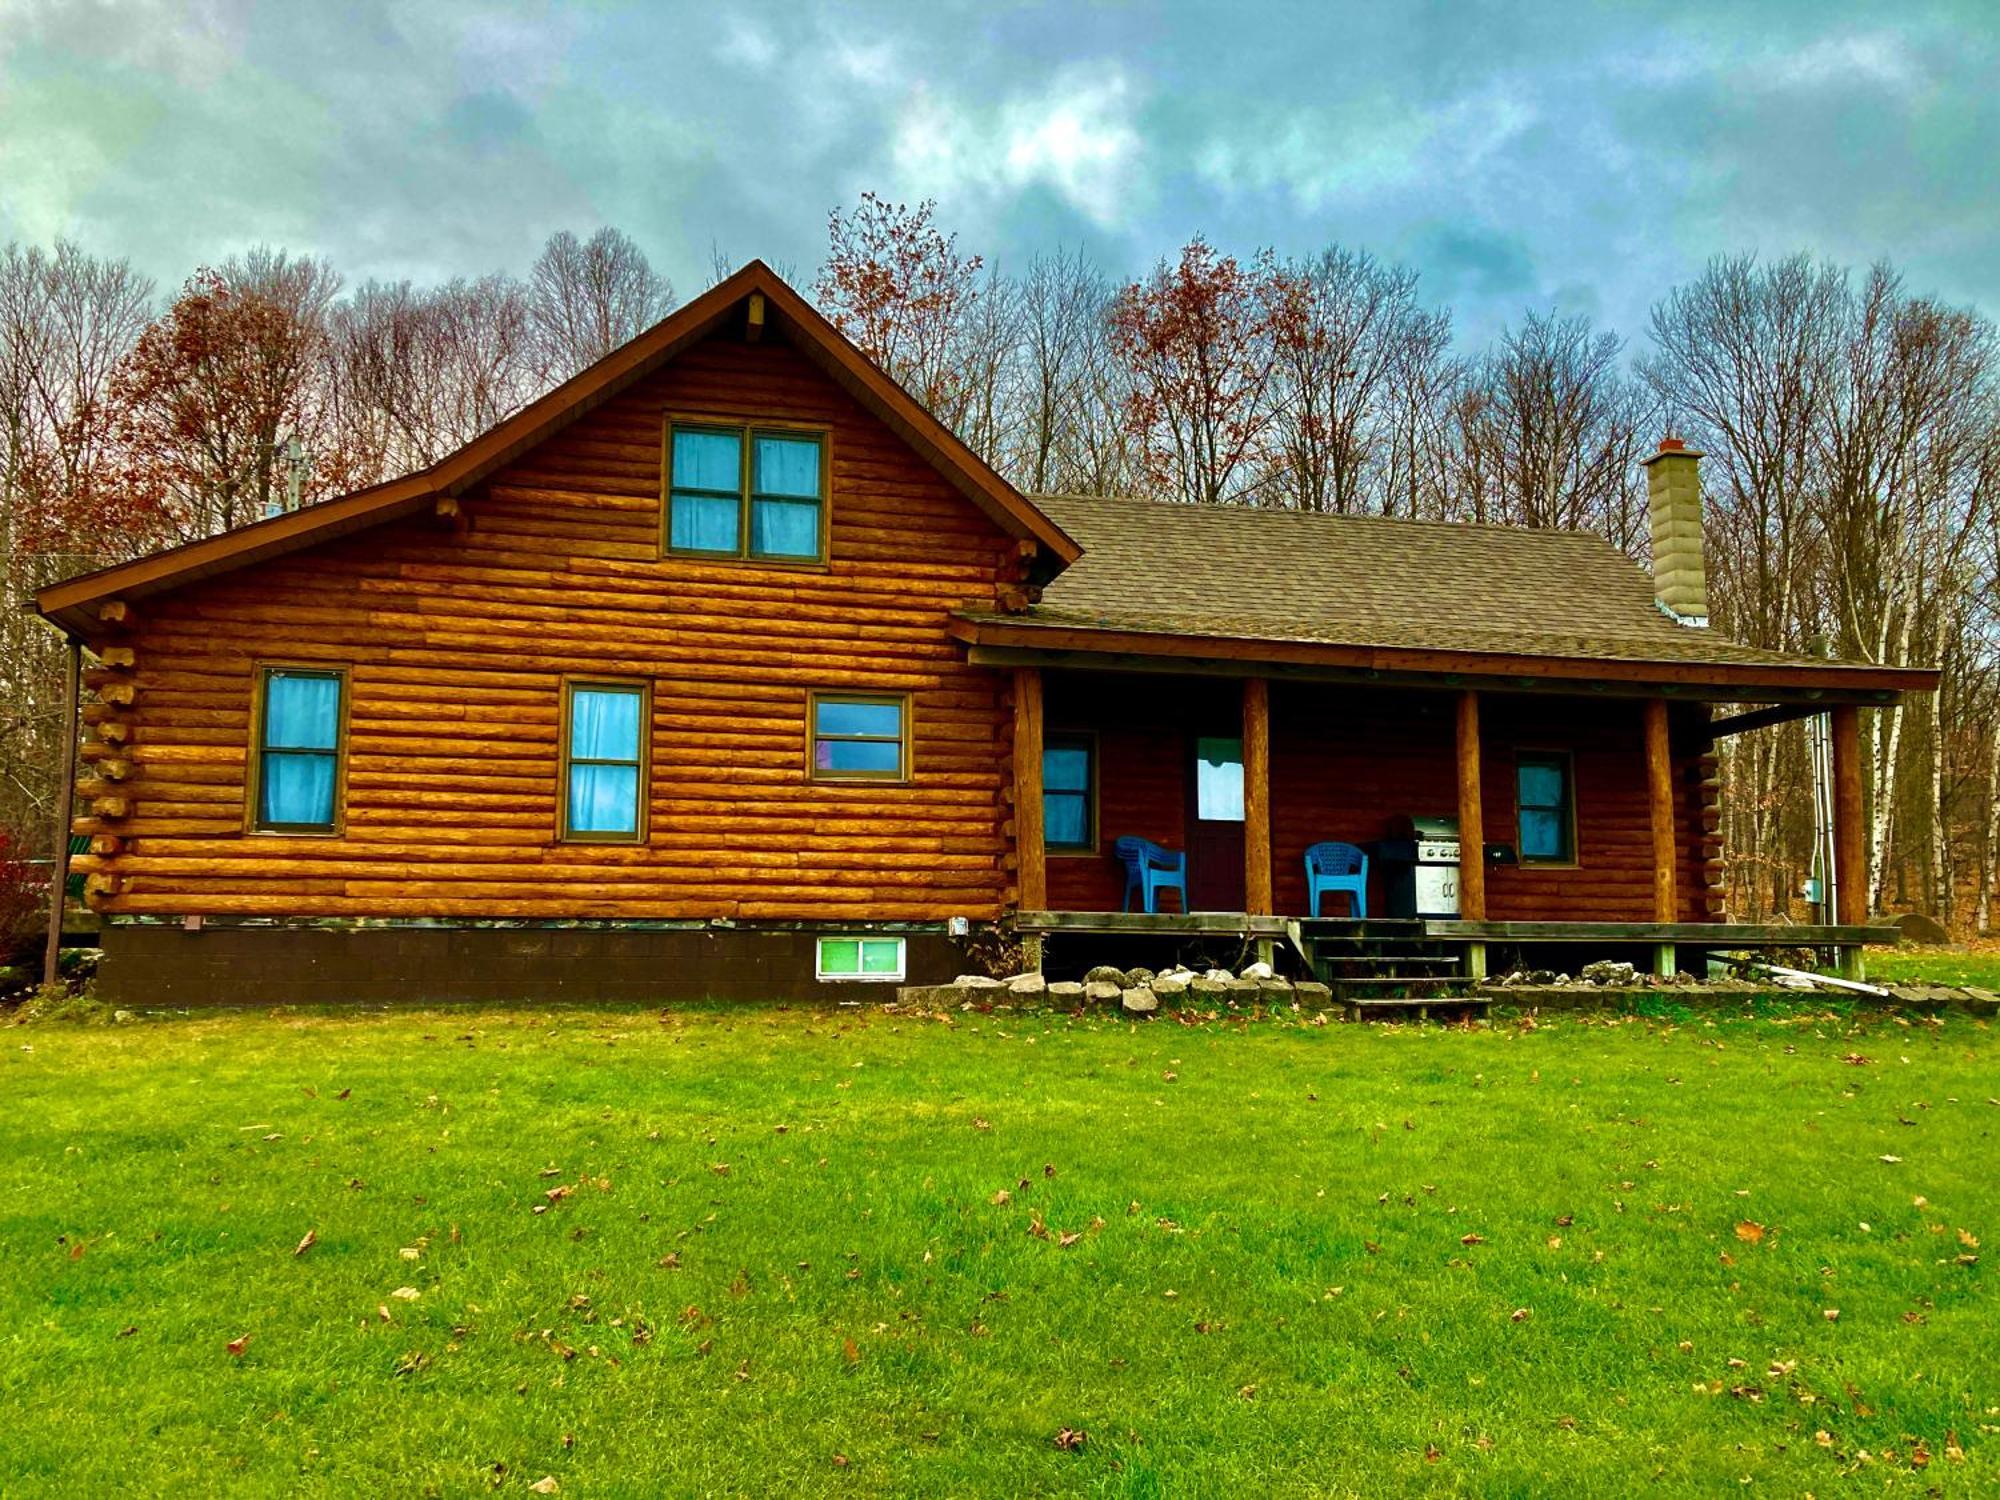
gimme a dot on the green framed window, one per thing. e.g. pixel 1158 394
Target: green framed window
pixel 858 737
pixel 605 732
pixel 1545 823
pixel 749 492
pixel 301 733
pixel 1069 792
pixel 868 959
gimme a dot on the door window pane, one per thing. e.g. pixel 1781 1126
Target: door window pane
pixel 1218 780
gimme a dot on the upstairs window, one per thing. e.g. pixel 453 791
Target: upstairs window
pixel 1067 813
pixel 857 738
pixel 1546 808
pixel 299 723
pixel 603 787
pixel 748 492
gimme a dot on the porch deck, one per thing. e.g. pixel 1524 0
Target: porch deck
pixel 1384 951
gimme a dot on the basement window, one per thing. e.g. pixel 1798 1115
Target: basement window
pixel 859 959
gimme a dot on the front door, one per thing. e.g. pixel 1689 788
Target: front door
pixel 1215 823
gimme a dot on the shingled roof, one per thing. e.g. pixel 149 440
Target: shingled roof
pixel 1246 575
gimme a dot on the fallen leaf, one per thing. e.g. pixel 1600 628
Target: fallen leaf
pixel 982 1125
pixel 311 1239
pixel 1520 1315
pixel 1832 1314
pixel 128 1330
pixel 1248 1393
pixel 406 1294
pixel 1891 1160
pixel 546 1485
pixel 238 1345
pixel 1472 1239
pixel 1001 1199
pixel 557 1194
pixel 1968 1239
pixel 1069 1439
pixel 850 1351
pixel 1749 1232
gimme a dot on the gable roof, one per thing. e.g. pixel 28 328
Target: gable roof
pixel 72 603
pixel 1376 593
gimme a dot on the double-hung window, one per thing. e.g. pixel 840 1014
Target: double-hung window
pixel 1068 820
pixel 300 714
pixel 1546 808
pixel 858 737
pixel 606 728
pixel 749 492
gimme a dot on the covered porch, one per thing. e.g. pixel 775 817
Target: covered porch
pixel 1593 805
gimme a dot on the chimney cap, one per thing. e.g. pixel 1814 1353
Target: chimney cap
pixel 1672 447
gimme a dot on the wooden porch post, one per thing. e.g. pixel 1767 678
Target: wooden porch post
pixel 1850 845
pixel 1028 846
pixel 1257 899
pixel 1471 829
pixel 1660 806
pixel 65 810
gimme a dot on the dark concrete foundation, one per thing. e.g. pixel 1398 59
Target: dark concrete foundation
pixel 155 965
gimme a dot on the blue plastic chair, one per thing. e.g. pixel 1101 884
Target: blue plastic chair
pixel 1337 867
pixel 1149 869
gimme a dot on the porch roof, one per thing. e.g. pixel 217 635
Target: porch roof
pixel 1383 595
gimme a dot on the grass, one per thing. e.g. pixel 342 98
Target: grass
pixel 856 1253
pixel 1977 966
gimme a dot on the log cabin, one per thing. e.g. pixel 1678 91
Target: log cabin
pixel 725 670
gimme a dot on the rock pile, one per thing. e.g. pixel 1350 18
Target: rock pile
pixel 1138 992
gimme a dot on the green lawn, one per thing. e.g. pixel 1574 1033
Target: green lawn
pixel 757 1252
pixel 1935 966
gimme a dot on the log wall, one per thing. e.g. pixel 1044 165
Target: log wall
pixel 1345 761
pixel 457 632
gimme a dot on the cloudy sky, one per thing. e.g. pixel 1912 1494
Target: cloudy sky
pixel 1518 155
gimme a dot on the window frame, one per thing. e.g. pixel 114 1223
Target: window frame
pixel 1086 740
pixel 1565 761
pixel 644 688
pixel 905 755
pixel 822 976
pixel 253 780
pixel 746 432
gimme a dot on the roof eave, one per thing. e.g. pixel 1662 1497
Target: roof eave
pixel 1739 681
pixel 71 603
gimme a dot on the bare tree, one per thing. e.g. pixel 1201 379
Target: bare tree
pixel 1559 429
pixel 587 297
pixel 1341 328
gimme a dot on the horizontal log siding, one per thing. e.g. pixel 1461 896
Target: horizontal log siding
pixel 1345 761
pixel 457 641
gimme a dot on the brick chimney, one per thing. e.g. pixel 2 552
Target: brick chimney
pixel 1673 509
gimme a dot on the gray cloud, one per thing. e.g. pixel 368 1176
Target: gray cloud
pixel 1518 155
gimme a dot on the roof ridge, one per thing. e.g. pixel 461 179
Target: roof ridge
pixel 1237 507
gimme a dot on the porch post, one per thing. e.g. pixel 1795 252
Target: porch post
pixel 1850 846
pixel 64 811
pixel 1257 899
pixel 1660 804
pixel 1471 820
pixel 1471 830
pixel 1028 849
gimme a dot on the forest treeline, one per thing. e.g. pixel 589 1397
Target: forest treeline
pixel 1851 426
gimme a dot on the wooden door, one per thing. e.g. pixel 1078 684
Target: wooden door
pixel 1215 824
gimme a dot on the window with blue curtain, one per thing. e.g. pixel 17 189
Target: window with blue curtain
pixel 746 492
pixel 860 737
pixel 1066 792
pixel 1545 809
pixel 298 750
pixel 604 760
pixel 705 503
pixel 1218 780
